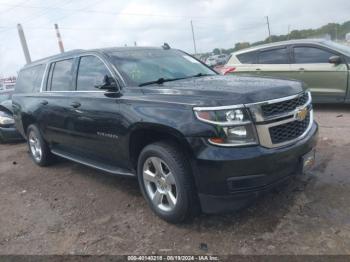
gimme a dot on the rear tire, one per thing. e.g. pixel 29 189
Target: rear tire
pixel 38 147
pixel 166 182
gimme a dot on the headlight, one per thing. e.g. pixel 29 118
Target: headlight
pixel 233 124
pixel 6 119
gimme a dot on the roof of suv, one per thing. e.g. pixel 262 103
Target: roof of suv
pixel 82 51
pixel 281 43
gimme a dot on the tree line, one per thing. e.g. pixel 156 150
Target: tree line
pixel 334 30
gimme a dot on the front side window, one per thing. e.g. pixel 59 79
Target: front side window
pixel 60 78
pixel 311 55
pixel 91 69
pixel 275 56
pixel 247 58
pixel 142 66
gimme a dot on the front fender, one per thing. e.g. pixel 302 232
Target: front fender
pixel 176 118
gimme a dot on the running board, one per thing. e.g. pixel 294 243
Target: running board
pixel 92 163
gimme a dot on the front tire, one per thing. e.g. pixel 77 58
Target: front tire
pixel 165 179
pixel 38 147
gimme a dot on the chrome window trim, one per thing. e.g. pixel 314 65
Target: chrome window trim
pixel 101 59
pixel 47 70
pixel 48 64
pixel 44 77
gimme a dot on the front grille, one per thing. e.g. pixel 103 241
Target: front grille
pixel 289 131
pixel 284 106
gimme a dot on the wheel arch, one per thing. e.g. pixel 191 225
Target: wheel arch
pixel 27 120
pixel 143 134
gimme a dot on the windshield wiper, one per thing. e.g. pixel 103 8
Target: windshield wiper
pixel 201 74
pixel 161 80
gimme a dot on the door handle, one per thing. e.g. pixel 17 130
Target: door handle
pixel 44 102
pixel 301 69
pixel 258 69
pixel 75 104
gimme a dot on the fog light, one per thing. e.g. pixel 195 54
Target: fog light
pixel 239 131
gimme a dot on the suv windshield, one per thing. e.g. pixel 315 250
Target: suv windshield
pixel 140 67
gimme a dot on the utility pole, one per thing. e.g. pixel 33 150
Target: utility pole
pixel 268 27
pixel 22 38
pixel 59 39
pixel 194 40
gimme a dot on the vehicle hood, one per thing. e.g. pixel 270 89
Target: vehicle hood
pixel 224 90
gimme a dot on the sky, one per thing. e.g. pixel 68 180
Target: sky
pixel 86 24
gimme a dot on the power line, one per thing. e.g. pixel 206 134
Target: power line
pixel 123 13
pixel 14 7
pixel 80 10
pixel 34 17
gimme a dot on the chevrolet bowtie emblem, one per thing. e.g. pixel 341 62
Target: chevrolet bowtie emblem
pixel 301 114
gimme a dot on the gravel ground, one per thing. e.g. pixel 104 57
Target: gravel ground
pixel 71 209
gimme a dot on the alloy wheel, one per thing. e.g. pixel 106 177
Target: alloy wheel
pixel 35 146
pixel 160 184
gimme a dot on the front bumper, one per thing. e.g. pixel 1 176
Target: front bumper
pixel 230 178
pixel 9 134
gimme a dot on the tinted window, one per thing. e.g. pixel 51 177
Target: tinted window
pixel 61 75
pixel 247 58
pixel 29 79
pixel 304 55
pixel 91 69
pixel 275 56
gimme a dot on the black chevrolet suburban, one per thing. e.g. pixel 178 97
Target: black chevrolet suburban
pixel 195 140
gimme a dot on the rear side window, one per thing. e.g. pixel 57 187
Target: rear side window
pixel 61 75
pixel 90 69
pixel 247 58
pixel 275 56
pixel 29 79
pixel 311 55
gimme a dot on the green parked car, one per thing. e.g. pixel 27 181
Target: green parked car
pixel 322 65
